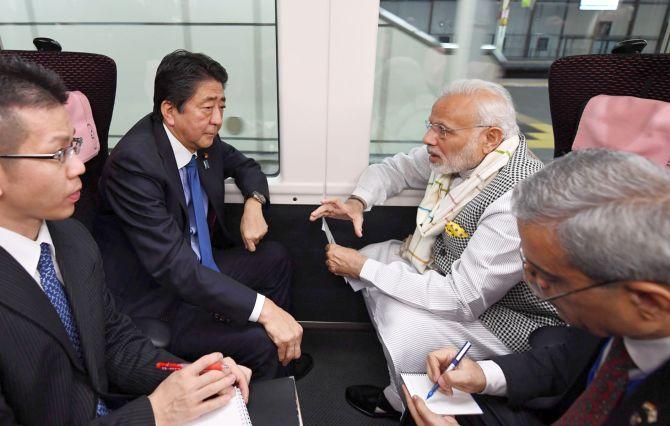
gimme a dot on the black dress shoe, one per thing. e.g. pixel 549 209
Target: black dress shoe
pixel 302 366
pixel 370 400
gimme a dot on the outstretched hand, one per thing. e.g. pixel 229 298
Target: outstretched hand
pixel 351 210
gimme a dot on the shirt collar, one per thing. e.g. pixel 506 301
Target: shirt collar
pixel 648 355
pixel 24 250
pixel 181 154
pixel 466 173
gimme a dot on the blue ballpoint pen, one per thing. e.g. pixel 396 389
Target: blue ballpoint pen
pixel 454 363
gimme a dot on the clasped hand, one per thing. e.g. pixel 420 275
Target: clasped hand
pixel 341 260
pixel 189 393
pixel 344 261
pixel 253 226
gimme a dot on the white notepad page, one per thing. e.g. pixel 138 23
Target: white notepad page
pixel 460 403
pixel 232 414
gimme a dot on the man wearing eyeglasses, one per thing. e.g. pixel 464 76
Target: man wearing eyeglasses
pixel 459 276
pixel 594 229
pixel 67 356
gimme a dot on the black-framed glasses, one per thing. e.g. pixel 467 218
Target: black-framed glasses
pixel 530 276
pixel 61 155
pixel 443 130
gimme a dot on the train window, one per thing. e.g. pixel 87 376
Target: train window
pixel 240 34
pixel 417 55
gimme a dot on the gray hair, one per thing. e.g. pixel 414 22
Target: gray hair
pixel 497 112
pixel 611 211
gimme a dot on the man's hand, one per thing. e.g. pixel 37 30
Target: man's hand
pixel 422 415
pixel 344 261
pixel 252 226
pixel 242 376
pixel 351 210
pixel 187 394
pixel 468 376
pixel 284 331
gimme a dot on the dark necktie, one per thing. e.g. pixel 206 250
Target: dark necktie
pixel 197 207
pixel 603 394
pixel 56 294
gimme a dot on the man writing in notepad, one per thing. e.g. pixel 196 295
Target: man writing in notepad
pixel 67 356
pixel 594 234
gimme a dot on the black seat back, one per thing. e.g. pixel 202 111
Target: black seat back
pixel 95 76
pixel 574 80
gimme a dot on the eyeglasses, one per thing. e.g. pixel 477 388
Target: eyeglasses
pixel 61 155
pixel 443 130
pixel 530 273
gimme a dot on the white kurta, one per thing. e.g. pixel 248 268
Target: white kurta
pixel 416 313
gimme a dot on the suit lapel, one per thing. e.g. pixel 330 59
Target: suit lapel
pixel 210 170
pixel 20 293
pixel 76 272
pixel 169 163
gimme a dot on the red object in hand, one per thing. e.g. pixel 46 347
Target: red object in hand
pixel 175 366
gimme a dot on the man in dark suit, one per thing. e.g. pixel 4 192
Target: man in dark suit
pixel 167 252
pixel 594 234
pixel 67 356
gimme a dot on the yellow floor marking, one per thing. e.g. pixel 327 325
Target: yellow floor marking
pixel 543 137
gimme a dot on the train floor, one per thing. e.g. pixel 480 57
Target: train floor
pixel 341 358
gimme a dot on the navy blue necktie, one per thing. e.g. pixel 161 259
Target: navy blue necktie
pixel 197 208
pixel 56 294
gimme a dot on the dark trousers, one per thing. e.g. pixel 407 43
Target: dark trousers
pixel 195 332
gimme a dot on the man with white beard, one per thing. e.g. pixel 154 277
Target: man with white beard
pixel 459 277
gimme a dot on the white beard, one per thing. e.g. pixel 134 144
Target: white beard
pixel 461 162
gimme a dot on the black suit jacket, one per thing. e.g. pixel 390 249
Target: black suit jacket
pixel 143 227
pixel 42 381
pixel 554 373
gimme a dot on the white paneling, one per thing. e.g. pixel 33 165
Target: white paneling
pixel 303 29
pixel 353 44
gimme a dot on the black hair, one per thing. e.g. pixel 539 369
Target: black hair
pixel 24 84
pixel 178 76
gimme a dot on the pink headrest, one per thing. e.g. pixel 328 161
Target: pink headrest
pixel 626 123
pixel 79 109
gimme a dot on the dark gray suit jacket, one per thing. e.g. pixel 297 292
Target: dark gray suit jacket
pixel 143 228
pixel 42 381
pixel 549 377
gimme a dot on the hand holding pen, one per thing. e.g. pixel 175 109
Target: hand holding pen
pixel 468 377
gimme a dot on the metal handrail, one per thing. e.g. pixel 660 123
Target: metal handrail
pixel 447 48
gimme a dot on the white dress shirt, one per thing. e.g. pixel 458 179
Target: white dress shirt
pixel 487 269
pixel 648 355
pixel 27 252
pixel 183 157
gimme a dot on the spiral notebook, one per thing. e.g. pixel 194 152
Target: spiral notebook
pixel 232 414
pixel 460 403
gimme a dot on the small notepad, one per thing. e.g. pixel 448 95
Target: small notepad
pixel 460 403
pixel 232 414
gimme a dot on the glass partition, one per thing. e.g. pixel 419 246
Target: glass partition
pixel 411 73
pixel 240 34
